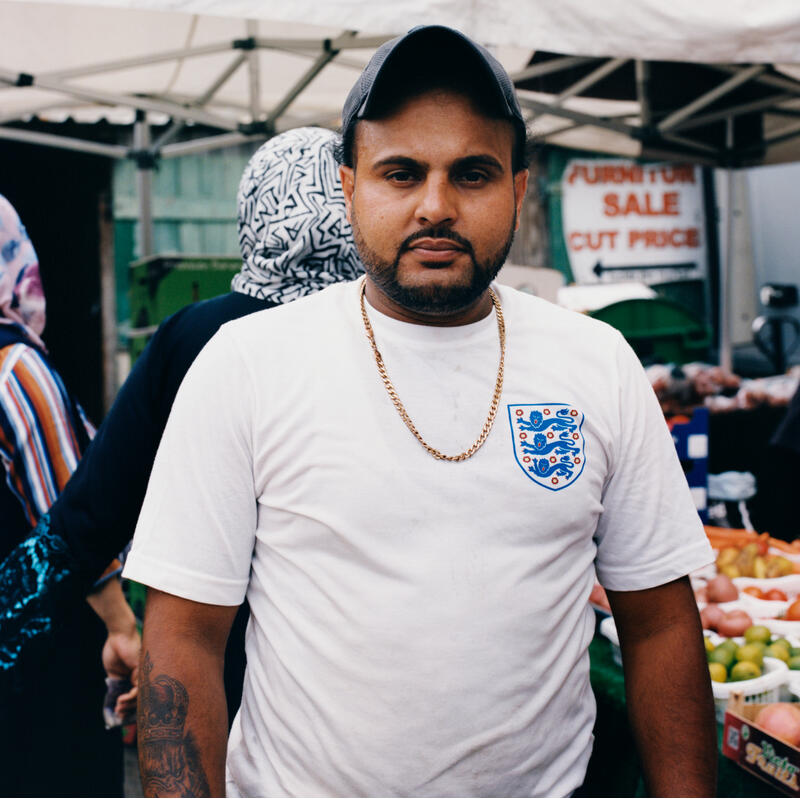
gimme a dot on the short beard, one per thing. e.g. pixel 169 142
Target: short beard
pixel 432 299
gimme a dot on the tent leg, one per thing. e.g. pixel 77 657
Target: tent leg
pixel 108 302
pixel 725 349
pixel 144 183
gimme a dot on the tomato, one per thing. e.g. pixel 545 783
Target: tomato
pixel 774 595
pixel 755 591
pixel 793 611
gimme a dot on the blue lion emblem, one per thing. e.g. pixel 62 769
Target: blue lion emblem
pixel 548 442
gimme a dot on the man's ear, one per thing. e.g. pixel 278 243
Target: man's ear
pixel 348 177
pixel 520 187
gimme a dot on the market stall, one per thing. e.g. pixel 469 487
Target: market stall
pixel 614 769
pixel 712 83
pixel 259 67
pixel 750 608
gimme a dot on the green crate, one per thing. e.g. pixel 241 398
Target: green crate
pixel 163 284
pixel 658 329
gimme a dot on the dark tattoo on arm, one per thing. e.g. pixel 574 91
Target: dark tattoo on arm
pixel 168 756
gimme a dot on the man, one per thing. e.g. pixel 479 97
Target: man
pixel 294 239
pixel 413 492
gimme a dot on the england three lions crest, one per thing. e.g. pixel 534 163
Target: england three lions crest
pixel 548 442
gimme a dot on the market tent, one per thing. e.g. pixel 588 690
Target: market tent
pixel 590 77
pixel 713 82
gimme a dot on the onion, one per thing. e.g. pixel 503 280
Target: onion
pixel 734 623
pixel 721 589
pixel 781 719
pixel 711 616
pixel 700 595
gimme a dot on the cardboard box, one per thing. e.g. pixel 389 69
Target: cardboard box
pixel 756 751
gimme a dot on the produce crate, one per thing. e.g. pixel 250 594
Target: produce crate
pixel 756 751
pixel 160 285
pixel 760 690
pixel 658 329
pixel 691 443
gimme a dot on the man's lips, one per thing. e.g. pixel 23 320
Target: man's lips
pixel 436 249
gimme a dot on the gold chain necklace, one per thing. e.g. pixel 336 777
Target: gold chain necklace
pixel 498 388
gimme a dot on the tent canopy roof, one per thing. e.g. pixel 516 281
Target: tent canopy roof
pixel 246 68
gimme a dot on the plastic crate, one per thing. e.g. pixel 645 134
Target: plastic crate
pixel 762 690
pixel 163 284
pixel 658 329
pixel 691 443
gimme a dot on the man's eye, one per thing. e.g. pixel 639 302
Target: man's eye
pixel 473 177
pixel 401 176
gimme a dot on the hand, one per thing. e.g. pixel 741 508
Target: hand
pixel 121 650
pixel 121 660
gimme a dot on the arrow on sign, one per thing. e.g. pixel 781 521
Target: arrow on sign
pixel 599 268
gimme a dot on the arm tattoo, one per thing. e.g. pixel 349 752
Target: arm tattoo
pixel 168 757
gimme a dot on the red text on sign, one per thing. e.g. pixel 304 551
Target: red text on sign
pixel 677 237
pixel 641 204
pixel 593 240
pixel 640 239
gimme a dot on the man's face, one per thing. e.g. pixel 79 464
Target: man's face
pixel 433 202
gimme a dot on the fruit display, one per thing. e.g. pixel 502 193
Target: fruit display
pixel 728 623
pixel 770 595
pixel 733 660
pixel 721 589
pixel 781 719
pixel 753 560
pixel 722 537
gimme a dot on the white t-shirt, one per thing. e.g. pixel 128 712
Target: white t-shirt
pixel 418 627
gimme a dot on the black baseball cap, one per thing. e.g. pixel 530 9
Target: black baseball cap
pixel 368 89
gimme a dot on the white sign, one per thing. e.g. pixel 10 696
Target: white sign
pixel 626 221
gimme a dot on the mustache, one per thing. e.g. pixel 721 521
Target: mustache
pixel 437 233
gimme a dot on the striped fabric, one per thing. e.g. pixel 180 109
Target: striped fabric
pixel 38 442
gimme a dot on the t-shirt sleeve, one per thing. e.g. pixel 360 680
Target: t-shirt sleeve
pixel 196 531
pixel 649 531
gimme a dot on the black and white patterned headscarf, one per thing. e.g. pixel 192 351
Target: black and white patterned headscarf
pixel 293 233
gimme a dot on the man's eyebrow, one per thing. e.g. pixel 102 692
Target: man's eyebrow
pixel 483 159
pixel 480 159
pixel 399 160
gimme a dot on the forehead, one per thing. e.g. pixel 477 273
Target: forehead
pixel 436 125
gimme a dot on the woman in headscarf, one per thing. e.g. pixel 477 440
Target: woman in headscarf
pixel 295 239
pixel 43 433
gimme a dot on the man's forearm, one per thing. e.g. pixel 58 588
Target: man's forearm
pixel 670 704
pixel 182 717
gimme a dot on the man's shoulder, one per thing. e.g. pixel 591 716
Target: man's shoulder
pixel 556 318
pixel 306 316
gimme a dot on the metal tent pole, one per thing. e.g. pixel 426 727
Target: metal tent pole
pixel 145 163
pixel 108 301
pixel 725 349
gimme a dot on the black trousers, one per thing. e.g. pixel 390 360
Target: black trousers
pixel 53 741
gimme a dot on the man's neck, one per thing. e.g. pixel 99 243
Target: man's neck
pixel 474 312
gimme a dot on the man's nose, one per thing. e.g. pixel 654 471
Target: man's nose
pixel 437 202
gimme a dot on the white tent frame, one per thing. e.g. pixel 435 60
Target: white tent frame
pixel 657 138
pixel 668 138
